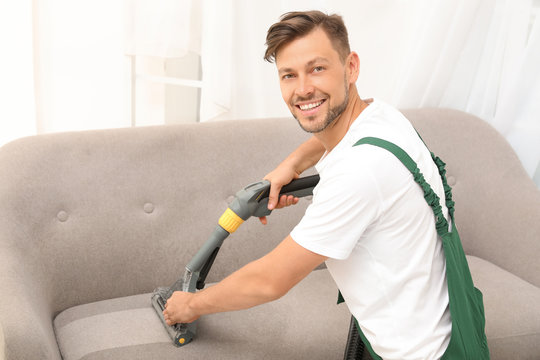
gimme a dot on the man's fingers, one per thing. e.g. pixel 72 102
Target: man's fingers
pixel 273 197
pixel 280 202
pixel 166 317
pixel 291 200
pixel 286 200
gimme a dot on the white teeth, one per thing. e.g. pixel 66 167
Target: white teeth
pixel 310 106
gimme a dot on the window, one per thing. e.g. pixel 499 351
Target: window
pixel 164 90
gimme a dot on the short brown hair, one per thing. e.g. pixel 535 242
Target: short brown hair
pixel 293 25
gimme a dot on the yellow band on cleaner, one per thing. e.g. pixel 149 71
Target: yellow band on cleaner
pixel 230 221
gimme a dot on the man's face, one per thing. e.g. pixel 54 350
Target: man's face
pixel 313 80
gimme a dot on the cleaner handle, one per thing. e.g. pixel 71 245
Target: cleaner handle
pixel 298 186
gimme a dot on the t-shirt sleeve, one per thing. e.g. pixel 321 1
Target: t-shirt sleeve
pixel 344 206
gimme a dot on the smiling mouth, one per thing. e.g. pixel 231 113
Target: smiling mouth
pixel 310 106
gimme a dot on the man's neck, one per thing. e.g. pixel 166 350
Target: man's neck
pixel 332 135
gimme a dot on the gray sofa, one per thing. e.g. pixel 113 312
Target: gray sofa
pixel 91 222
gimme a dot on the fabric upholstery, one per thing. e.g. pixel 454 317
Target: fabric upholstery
pixel 511 315
pixel 103 214
pixel 111 214
pixel 2 345
pixel 128 328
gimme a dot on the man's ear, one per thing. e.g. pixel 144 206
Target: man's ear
pixel 352 67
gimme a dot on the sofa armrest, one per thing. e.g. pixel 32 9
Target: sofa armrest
pixel 25 316
pixel 2 344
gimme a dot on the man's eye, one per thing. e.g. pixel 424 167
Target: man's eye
pixel 287 76
pixel 318 69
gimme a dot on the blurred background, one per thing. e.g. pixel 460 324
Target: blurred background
pixel 91 64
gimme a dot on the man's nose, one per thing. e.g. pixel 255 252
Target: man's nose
pixel 304 87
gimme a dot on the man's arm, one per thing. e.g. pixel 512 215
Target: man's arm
pixel 260 281
pixel 304 157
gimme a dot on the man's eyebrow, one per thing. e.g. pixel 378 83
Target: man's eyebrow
pixel 284 70
pixel 318 59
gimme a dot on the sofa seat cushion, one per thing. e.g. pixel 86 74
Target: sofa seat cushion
pixel 511 308
pixel 128 328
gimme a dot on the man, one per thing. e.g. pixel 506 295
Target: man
pixel 368 220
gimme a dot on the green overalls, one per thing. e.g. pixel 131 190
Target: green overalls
pixel 468 339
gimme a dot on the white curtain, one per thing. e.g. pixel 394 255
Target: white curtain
pixel 64 64
pixel 62 67
pixel 162 38
pixel 518 110
pixel 164 28
pixel 17 106
pixel 479 56
pixel 79 62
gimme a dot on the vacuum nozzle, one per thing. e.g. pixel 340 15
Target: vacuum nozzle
pixel 181 334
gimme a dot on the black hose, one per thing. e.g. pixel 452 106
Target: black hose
pixel 355 347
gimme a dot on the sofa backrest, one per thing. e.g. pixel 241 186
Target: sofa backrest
pixel 497 203
pixel 100 214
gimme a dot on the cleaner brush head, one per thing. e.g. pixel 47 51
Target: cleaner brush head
pixel 181 334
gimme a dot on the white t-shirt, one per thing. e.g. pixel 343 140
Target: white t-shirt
pixel 372 221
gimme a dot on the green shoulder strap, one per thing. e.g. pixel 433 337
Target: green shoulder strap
pixel 430 196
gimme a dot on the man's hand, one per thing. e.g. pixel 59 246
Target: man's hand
pixel 279 177
pixel 177 309
pixel 304 157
